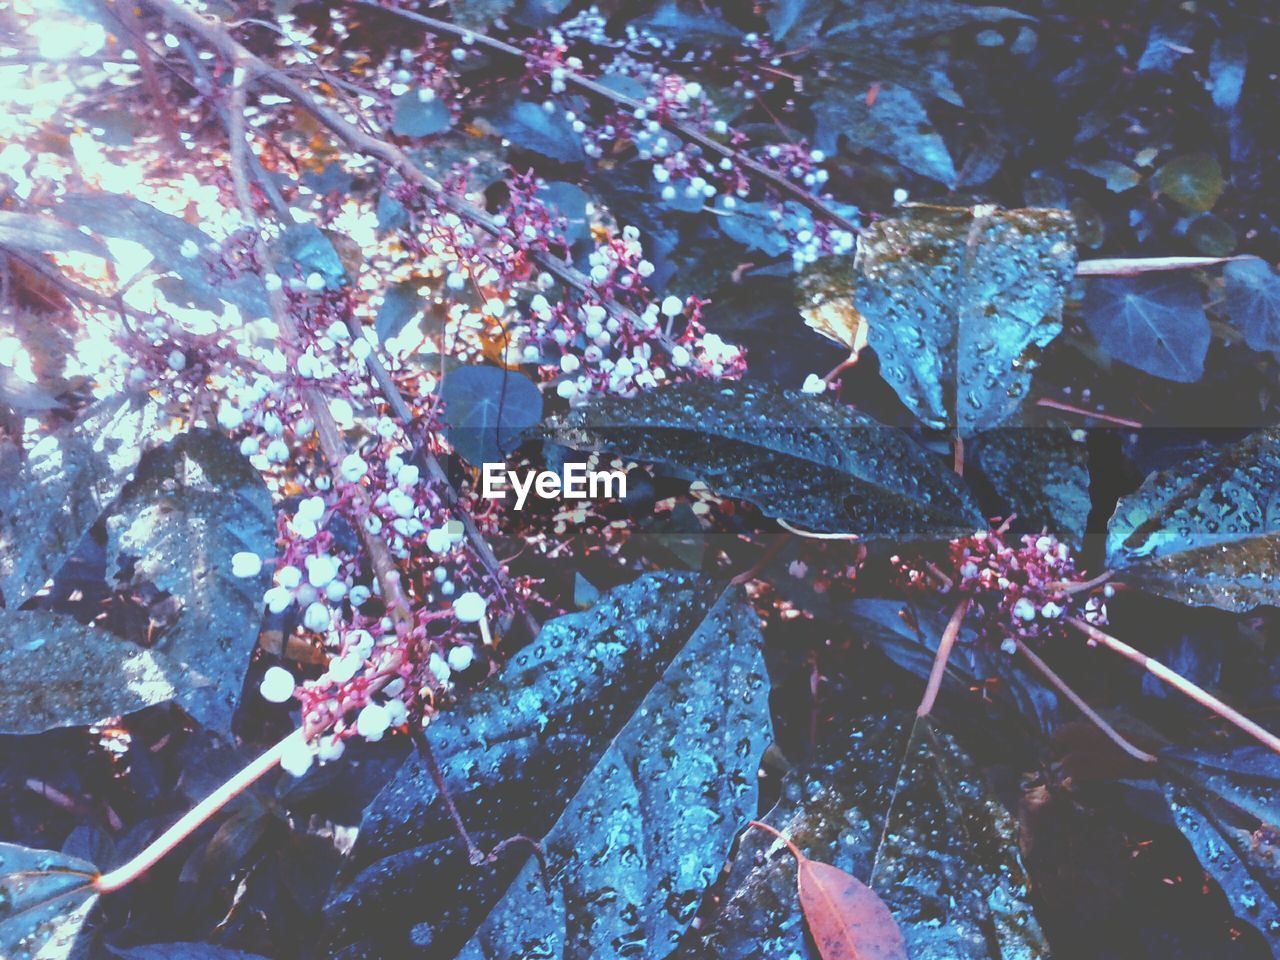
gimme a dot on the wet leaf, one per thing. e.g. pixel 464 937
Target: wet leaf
pixel 415 117
pixel 797 457
pixel 1226 806
pixel 1253 302
pixel 44 900
pixel 488 410
pixel 40 234
pixel 59 673
pixel 529 127
pixel 1155 322
pixel 1205 532
pixel 164 237
pixel 960 302
pixel 948 869
pixel 185 950
pixel 846 918
pixel 66 482
pixel 400 305
pixel 311 250
pixel 825 298
pixel 1042 476
pixel 194 503
pixel 570 201
pixel 894 124
pixel 1193 180
pixel 636 762
pixel 1228 61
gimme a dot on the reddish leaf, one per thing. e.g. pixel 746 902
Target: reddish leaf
pixel 847 919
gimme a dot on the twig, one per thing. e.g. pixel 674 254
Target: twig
pixel 600 91
pixel 1081 411
pixel 945 644
pixel 1178 682
pixel 813 534
pixel 795 851
pixel 191 820
pixel 771 551
pixel 474 853
pixel 1131 266
pixel 1070 589
pixel 1094 717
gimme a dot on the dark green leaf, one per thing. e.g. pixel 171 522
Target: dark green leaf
pixel 400 305
pixel 569 201
pixel 1040 474
pixel 1118 177
pixel 45 898
pixel 310 250
pixel 1253 302
pixel 959 304
pixel 1193 180
pixel 797 457
pixel 547 723
pixel 895 125
pixel 415 117
pixel 164 237
pixel 68 479
pixel 948 867
pixel 39 234
pixel 1226 806
pixel 656 815
pixel 194 503
pixel 1205 532
pixel 1155 322
pixel 488 410
pixel 59 673
pixel 529 127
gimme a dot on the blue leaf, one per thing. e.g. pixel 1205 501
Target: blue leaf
pixel 399 306
pixel 762 226
pixel 313 252
pixel 487 410
pixel 415 117
pixel 895 125
pixel 529 127
pixel 1253 302
pixel 569 201
pixel 1154 322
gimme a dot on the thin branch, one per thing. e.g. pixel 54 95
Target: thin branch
pixel 1052 404
pixel 1178 682
pixel 600 91
pixel 945 644
pixel 1132 266
pixel 1093 716
pixel 474 853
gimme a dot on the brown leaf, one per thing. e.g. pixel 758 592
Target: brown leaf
pixel 847 919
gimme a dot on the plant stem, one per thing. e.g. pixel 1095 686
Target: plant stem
pixel 795 851
pixel 1094 717
pixel 191 820
pixel 428 755
pixel 940 658
pixel 1131 266
pixel 1081 411
pixel 1178 682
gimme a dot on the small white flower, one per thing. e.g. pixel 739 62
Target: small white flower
pixel 177 360
pixel 315 282
pixel 249 446
pixel 342 412
pixel 407 476
pixel 680 355
pixel 814 384
pixel 189 249
pixel 277 599
pixel 245 564
pixel 335 590
pixel 439 668
pixel 1009 645
pixel 438 540
pixel 470 607
pixel 401 503
pixel 272 282
pixel 344 668
pixel 303 528
pixel 360 595
pixel 566 389
pixel 229 416
pixel 672 306
pixel 461 657
pixel 316 617
pixel 373 721
pixel 397 712
pixel 277 685
pixel 330 748
pixel 322 569
pixel 311 509
pixel 1024 609
pixel 353 468
pixel 569 363
pixel 1051 611
pixel 296 758
pixel 289 577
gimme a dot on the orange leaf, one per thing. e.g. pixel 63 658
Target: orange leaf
pixel 847 919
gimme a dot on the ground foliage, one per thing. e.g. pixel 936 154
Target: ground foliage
pixel 846 288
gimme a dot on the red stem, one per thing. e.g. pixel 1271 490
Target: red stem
pixel 940 659
pixel 795 851
pixel 1179 683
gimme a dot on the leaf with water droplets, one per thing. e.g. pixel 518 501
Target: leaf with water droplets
pixel 194 504
pixel 1226 806
pixel 1206 532
pixel 825 296
pixel 959 302
pixel 813 463
pixel 59 673
pixel 1253 302
pixel 44 900
pixel 634 731
pixel 948 868
pixel 1155 322
pixel 1041 475
pixel 66 482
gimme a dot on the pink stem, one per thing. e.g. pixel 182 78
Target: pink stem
pixel 1178 682
pixel 1130 266
pixel 940 659
pixel 1082 412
